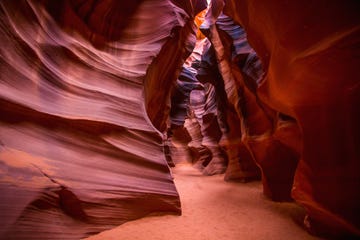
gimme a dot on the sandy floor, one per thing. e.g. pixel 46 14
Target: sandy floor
pixel 214 209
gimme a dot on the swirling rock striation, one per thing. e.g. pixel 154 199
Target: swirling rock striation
pixel 81 145
pixel 195 121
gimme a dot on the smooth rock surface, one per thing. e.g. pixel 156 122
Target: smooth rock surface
pixel 81 144
pixel 309 53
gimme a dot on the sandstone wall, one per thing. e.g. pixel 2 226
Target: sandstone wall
pixel 83 93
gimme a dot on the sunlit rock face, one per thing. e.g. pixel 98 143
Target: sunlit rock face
pixel 82 115
pixel 309 54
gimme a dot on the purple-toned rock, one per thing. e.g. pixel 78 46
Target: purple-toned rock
pixel 82 116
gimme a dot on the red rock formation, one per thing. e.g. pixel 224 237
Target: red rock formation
pixel 81 110
pixel 85 100
pixel 308 50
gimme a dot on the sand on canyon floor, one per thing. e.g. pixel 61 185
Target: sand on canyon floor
pixel 215 209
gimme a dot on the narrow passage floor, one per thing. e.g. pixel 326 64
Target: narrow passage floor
pixel 213 210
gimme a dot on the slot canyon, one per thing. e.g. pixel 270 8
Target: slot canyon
pixel 179 119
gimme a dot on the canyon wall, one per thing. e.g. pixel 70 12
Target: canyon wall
pixel 83 92
pixel 310 85
pixel 99 98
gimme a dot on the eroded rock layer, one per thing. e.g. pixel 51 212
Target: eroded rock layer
pixel 81 148
pixel 97 100
pixel 196 109
pixel 309 54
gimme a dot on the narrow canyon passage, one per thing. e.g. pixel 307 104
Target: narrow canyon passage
pixel 213 209
pixel 237 118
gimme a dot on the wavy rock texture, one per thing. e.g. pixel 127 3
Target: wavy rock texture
pixel 81 148
pixel 195 118
pixel 308 51
pixel 232 98
pixel 93 93
pixel 255 127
